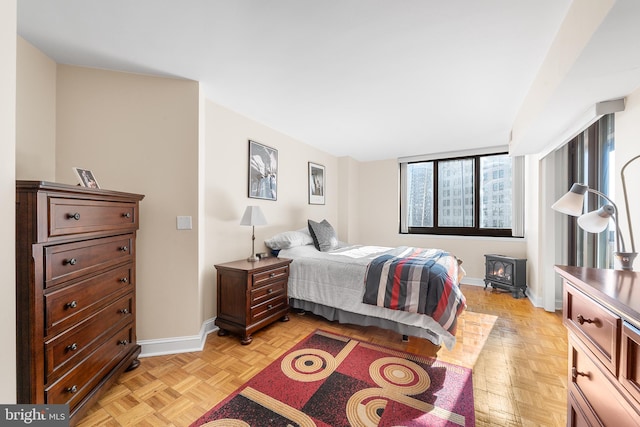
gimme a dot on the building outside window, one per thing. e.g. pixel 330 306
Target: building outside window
pixel 462 196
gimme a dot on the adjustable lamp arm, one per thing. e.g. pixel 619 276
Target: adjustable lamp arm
pixel 626 203
pixel 619 240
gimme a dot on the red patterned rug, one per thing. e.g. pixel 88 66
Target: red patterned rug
pixel 332 380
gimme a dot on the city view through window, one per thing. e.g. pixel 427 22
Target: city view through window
pixel 456 192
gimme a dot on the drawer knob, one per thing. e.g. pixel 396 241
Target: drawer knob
pixel 123 342
pixel 126 215
pixel 72 304
pixel 72 389
pixel 72 347
pixel 270 306
pixel 270 291
pixel 71 261
pixel 575 373
pixel 75 216
pixel 124 280
pixel 124 248
pixel 123 311
pixel 582 320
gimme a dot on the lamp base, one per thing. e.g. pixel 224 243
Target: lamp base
pixel 253 258
pixel 626 259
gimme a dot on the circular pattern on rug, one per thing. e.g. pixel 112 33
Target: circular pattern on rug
pixel 308 365
pixel 400 375
pixel 227 422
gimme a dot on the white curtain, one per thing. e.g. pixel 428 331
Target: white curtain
pixel 517 196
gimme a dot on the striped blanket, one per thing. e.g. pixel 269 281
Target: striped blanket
pixel 419 281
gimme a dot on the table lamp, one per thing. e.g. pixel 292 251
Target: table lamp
pixel 253 216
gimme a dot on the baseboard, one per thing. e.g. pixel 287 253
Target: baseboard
pixel 473 281
pixel 176 345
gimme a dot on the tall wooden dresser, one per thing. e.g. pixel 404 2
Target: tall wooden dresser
pixel 601 310
pixel 75 292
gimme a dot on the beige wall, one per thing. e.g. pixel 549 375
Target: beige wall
pixel 348 198
pixel 140 134
pixel 227 135
pixel 36 114
pixel 7 195
pixel 379 217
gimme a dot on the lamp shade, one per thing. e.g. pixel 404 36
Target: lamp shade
pixel 572 203
pixel 596 221
pixel 253 216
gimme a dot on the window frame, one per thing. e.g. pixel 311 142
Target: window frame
pixel 476 230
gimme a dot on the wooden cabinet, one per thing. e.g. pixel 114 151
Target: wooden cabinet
pixel 601 310
pixel 251 295
pixel 75 292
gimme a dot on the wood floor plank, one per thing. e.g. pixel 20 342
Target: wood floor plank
pixel 518 354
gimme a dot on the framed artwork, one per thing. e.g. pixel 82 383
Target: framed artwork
pixel 263 171
pixel 86 178
pixel 316 184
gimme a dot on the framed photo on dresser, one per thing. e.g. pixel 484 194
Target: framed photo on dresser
pixel 86 178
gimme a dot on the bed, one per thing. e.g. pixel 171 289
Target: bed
pixel 332 283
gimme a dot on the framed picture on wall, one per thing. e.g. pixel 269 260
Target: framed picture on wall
pixel 86 178
pixel 316 184
pixel 263 171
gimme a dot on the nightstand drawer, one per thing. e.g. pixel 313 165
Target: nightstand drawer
pixel 267 292
pixel 75 216
pixel 596 326
pixel 261 278
pixel 251 295
pixel 268 309
pixel 72 260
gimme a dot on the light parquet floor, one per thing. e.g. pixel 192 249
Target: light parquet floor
pixel 518 354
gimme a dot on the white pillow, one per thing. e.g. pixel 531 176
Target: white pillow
pixel 289 239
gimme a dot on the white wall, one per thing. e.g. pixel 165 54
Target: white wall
pixel 379 216
pixel 627 134
pixel 7 195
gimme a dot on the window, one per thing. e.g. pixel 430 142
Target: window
pixel 461 196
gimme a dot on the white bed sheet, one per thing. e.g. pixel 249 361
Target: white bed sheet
pixel 336 279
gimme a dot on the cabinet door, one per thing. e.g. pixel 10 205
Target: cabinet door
pixel 594 383
pixel 630 360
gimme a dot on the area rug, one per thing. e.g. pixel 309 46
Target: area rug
pixel 333 380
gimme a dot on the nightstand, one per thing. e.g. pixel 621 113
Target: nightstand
pixel 251 295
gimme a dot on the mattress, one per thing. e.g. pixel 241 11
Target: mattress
pixel 336 279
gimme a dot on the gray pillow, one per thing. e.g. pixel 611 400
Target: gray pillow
pixel 323 234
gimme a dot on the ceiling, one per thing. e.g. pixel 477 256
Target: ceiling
pixel 369 79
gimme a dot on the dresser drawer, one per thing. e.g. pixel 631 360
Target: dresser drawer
pixel 72 260
pixel 76 216
pixel 261 278
pixel 594 324
pixel 596 386
pixel 630 360
pixel 269 308
pixel 69 305
pixel 74 386
pixel 77 342
pixel 268 292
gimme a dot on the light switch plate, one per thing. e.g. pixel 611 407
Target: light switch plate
pixel 183 223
